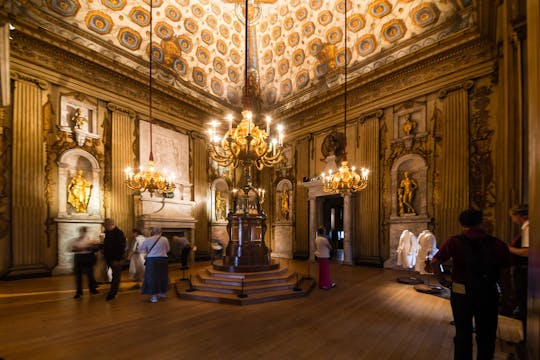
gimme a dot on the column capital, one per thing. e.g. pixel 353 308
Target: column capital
pixel 18 76
pixel 116 107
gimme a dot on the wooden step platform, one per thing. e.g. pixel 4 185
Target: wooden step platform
pixel 244 288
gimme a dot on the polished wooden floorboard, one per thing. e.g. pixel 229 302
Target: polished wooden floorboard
pixel 367 316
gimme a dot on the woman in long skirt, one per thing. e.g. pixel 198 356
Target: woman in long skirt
pixel 156 275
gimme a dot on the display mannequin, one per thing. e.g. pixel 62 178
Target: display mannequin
pixel 406 256
pixel 427 248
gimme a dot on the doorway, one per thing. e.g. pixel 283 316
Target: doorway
pixel 332 219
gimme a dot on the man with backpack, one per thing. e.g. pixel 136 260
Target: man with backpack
pixel 480 268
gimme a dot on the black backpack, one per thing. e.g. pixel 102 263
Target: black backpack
pixel 482 270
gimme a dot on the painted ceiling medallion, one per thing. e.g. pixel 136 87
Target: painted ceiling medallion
pixel 115 5
pixel 173 13
pixel 356 22
pixel 366 44
pixel 379 8
pixel 393 30
pixel 140 16
pixel 425 14
pixel 99 22
pixel 129 38
pixel 65 7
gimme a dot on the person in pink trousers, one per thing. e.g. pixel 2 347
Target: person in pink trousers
pixel 322 252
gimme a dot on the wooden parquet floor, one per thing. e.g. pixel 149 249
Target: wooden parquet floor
pixel 367 316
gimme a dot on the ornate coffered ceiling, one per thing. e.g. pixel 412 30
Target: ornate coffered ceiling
pixel 295 45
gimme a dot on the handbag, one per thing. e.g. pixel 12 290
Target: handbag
pixel 154 244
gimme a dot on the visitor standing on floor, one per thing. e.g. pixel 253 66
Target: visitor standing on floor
pixel 185 248
pixel 114 246
pixel 84 261
pixel 322 251
pixel 519 248
pixel 480 268
pixel 136 258
pixel 156 274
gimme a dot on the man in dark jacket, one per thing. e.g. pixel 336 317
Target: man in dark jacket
pixel 114 246
pixel 480 265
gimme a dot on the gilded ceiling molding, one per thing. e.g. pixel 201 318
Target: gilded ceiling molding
pixel 19 76
pixel 472 59
pixel 466 85
pixel 115 107
pixel 133 90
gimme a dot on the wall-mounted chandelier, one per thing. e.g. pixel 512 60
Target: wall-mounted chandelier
pixel 150 179
pixel 245 143
pixel 345 180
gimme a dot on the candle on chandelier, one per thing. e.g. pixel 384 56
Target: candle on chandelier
pixel 268 121
pixel 249 115
pixel 230 119
pixel 274 144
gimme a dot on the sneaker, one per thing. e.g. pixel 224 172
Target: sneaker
pixel 162 296
pixel 110 297
pixel 77 296
pixel 332 285
pixel 154 299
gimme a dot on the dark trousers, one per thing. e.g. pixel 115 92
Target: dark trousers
pixel 520 278
pixel 184 257
pixel 484 310
pixel 84 264
pixel 116 268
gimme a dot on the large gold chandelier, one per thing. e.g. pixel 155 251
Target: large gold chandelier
pixel 246 144
pixel 345 180
pixel 149 178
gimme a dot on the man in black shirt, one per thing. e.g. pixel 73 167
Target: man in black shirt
pixel 114 246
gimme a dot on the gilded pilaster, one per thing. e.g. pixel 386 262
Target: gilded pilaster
pixel 5 95
pixel 121 198
pixel 304 232
pixel 367 216
pixel 5 189
pixel 28 185
pixel 452 170
pixel 200 191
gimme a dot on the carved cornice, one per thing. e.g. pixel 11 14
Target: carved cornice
pixel 19 76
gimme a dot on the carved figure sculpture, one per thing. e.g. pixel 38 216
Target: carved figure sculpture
pixel 285 204
pixel 409 125
pixel 78 119
pixel 220 206
pixel 406 191
pixel 79 191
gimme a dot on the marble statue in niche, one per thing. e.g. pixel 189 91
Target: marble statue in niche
pixel 406 191
pixel 79 191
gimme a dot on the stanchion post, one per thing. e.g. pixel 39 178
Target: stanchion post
pixel 242 293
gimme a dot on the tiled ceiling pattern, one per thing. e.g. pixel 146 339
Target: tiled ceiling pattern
pixel 298 42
